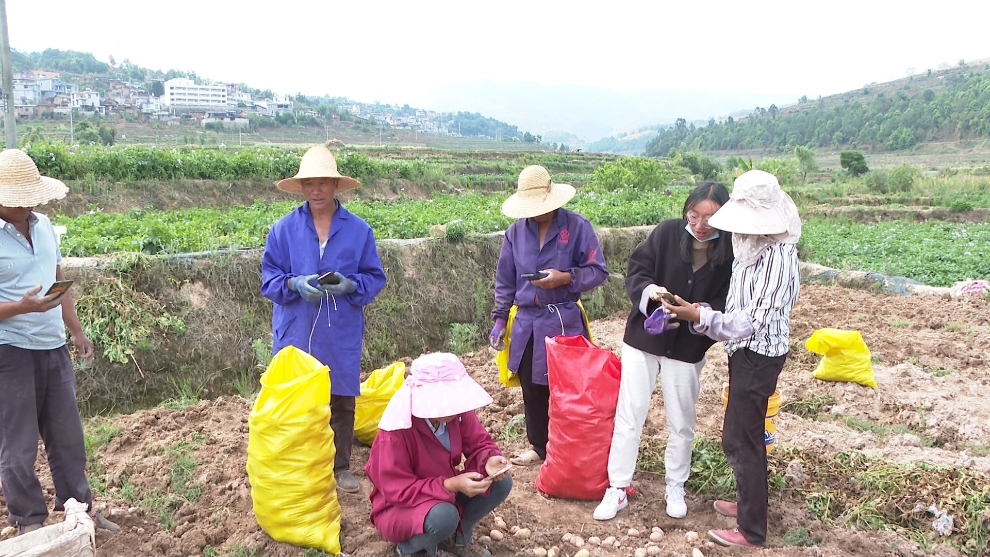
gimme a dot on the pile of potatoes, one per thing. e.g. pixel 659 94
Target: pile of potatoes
pixel 636 543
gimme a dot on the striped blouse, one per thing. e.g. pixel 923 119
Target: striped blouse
pixel 758 309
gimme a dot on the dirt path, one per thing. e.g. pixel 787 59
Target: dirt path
pixel 930 359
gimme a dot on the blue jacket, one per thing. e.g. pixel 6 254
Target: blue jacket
pixel 331 330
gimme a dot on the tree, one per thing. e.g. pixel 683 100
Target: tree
pixel 853 162
pixel 773 111
pixel 157 88
pixel 806 161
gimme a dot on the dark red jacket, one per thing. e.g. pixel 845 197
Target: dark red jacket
pixel 408 466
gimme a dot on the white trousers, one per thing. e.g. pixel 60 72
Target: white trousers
pixel 680 383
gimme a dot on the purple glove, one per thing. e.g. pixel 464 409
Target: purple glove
pixel 658 322
pixel 497 336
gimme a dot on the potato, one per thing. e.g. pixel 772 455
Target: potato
pixel 595 540
pixel 523 533
pixel 578 541
pixel 497 535
pixel 609 541
pixel 640 552
pixel 552 552
pixel 697 553
pixel 485 540
pixel 656 536
pixel 653 550
pixel 500 523
pixel 691 537
pixel 633 533
pixel 513 530
pixel 567 537
pixel 539 552
pixel 583 553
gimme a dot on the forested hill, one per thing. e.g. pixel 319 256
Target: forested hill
pixel 943 105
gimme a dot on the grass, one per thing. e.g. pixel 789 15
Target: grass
pixel 795 536
pixel 898 323
pixel 234 551
pixel 809 408
pixel 883 431
pixel 979 450
pixel 938 371
pixel 463 337
pixel 97 432
pixel 184 395
pixel 514 429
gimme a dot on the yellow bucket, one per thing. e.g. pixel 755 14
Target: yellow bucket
pixel 770 427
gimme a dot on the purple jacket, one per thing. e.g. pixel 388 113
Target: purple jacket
pixel 332 332
pixel 570 245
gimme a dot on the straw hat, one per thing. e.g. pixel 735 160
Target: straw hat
pixel 317 162
pixel 536 194
pixel 438 386
pixel 21 185
pixel 756 206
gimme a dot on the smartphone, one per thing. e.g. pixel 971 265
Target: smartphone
pixel 534 276
pixel 328 278
pixel 60 287
pixel 499 473
pixel 669 298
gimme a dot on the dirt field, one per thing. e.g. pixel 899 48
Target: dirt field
pixel 930 354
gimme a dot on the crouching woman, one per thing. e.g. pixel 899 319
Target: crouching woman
pixel 420 500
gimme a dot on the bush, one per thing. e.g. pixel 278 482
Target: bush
pixel 699 165
pixel 961 206
pixel 900 179
pixel 853 162
pixel 635 172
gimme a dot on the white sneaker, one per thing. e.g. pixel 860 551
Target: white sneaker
pixel 614 501
pixel 676 507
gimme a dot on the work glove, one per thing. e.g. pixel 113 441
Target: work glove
pixel 303 285
pixel 344 286
pixel 496 339
pixel 659 322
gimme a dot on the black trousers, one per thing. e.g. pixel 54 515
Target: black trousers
pixel 342 424
pixel 752 379
pixel 536 401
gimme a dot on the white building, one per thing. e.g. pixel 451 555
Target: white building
pixel 182 91
pixel 86 101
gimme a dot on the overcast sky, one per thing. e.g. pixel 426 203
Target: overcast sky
pixel 394 51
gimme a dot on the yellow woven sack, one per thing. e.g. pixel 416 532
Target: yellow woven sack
pixel 505 376
pixel 845 357
pixel 376 391
pixel 291 453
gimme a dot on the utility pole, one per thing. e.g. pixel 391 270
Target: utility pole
pixel 9 118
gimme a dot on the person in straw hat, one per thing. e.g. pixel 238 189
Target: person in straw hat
pixel 420 500
pixel 324 317
pixel 549 257
pixel 755 326
pixel 38 398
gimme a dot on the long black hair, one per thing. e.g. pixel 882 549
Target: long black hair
pixel 719 249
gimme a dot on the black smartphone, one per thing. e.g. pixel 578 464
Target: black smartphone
pixel 60 287
pixel 669 298
pixel 534 276
pixel 328 278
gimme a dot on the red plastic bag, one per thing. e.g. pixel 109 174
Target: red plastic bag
pixel 584 390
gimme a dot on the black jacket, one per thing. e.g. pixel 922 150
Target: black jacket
pixel 658 261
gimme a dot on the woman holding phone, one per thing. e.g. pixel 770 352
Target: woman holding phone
pixel 421 500
pixel 549 257
pixel 688 257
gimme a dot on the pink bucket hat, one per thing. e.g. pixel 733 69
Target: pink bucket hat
pixel 438 386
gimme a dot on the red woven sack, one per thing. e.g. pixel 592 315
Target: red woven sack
pixel 584 389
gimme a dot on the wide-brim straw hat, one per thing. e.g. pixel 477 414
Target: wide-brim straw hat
pixel 21 185
pixel 536 194
pixel 317 162
pixel 756 206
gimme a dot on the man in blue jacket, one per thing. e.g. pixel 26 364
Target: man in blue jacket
pixel 326 317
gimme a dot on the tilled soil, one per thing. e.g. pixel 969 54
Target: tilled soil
pixel 930 356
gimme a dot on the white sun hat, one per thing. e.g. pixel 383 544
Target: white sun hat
pixel 756 206
pixel 317 162
pixel 21 185
pixel 536 194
